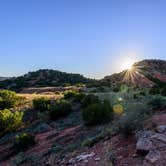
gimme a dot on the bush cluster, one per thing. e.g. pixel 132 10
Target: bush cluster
pixel 158 90
pixel 10 121
pixel 98 112
pixel 60 109
pixel 75 96
pixel 157 102
pixel 94 110
pixel 163 91
pixel 132 121
pixel 70 94
pixel 8 99
pixel 23 142
pixel 42 104
pixel 55 109
pixel 154 90
pixel 88 100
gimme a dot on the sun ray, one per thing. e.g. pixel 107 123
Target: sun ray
pixel 134 74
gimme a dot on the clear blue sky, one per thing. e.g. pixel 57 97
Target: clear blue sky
pixel 92 37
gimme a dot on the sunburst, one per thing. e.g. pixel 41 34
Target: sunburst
pixel 132 74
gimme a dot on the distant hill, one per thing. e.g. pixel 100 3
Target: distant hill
pixel 3 78
pixel 43 78
pixel 145 73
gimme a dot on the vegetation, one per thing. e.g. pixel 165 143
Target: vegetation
pixel 133 120
pixel 157 102
pixel 70 94
pixel 23 142
pixel 8 99
pixel 10 121
pixel 89 99
pixel 75 96
pixel 60 109
pixel 97 113
pixel 60 123
pixel 44 78
pixel 42 104
pixel 154 90
pixel 163 91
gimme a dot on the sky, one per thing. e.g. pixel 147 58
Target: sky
pixel 91 37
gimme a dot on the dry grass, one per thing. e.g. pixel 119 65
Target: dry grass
pixel 33 96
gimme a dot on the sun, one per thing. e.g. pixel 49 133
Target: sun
pixel 127 64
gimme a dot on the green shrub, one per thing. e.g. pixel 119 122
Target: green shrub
pixel 23 142
pixel 135 95
pixel 97 113
pixel 10 121
pixel 154 90
pixel 57 93
pixel 60 109
pixel 87 142
pixel 124 88
pixel 76 96
pixel 70 94
pixel 66 84
pixel 80 85
pixel 41 104
pixel 142 93
pixel 8 99
pixel 115 89
pixel 132 121
pixel 157 102
pixel 89 99
pixel 163 91
pixel 79 97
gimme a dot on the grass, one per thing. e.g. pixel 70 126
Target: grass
pixel 34 95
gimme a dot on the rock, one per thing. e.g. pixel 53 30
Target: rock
pixel 143 146
pixel 135 155
pixel 161 128
pixel 153 156
pixel 144 134
pixel 84 156
pixel 41 128
pixel 120 157
pixel 97 159
pixel 71 161
pixel 85 161
pixel 160 137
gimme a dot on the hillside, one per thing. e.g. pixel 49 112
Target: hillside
pixel 146 73
pixel 68 126
pixel 3 78
pixel 43 78
pixel 75 128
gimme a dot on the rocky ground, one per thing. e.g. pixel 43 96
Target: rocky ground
pixel 147 148
pixel 61 145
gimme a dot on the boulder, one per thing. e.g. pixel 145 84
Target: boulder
pixel 159 137
pixel 161 128
pixel 85 156
pixel 143 146
pixel 153 156
pixel 144 134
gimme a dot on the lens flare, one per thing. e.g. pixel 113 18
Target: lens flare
pixel 127 64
